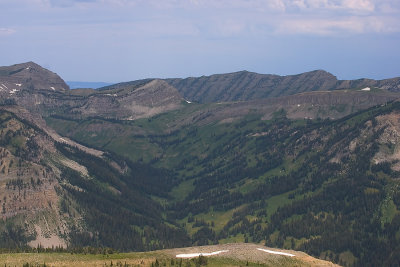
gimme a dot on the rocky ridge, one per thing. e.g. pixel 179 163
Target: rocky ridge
pixel 44 92
pixel 244 85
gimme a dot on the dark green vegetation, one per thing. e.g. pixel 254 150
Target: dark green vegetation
pixel 118 208
pixel 306 185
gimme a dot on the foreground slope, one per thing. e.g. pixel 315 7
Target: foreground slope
pixel 238 254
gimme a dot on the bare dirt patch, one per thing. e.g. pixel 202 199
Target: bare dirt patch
pixel 46 242
pixel 248 252
pixel 75 166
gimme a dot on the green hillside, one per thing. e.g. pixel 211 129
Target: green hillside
pixel 325 187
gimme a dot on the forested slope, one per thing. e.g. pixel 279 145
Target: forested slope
pixel 53 191
pixel 326 187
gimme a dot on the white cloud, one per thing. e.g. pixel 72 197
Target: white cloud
pixel 353 25
pixel 65 3
pixel 211 18
pixel 299 3
pixel 359 5
pixel 319 26
pixel 6 31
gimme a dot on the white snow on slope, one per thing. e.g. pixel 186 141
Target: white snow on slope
pixel 192 255
pixel 276 252
pixel 13 91
pixel 18 84
pixel 52 88
pixel 366 89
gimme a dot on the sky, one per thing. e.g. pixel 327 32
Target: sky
pixel 124 40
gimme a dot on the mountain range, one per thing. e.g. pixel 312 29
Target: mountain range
pixel 304 162
pixel 244 85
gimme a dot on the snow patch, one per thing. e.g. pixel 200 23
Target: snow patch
pixel 276 252
pixel 298 105
pixel 52 88
pixel 187 101
pixel 366 89
pixel 18 84
pixel 28 68
pixel 193 255
pixel 110 94
pixel 13 91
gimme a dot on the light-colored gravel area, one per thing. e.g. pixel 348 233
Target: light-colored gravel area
pixel 249 252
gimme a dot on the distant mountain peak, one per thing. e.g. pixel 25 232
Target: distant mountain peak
pixel 322 72
pixel 30 76
pixel 27 66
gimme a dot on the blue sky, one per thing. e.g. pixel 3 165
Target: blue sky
pixel 122 40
